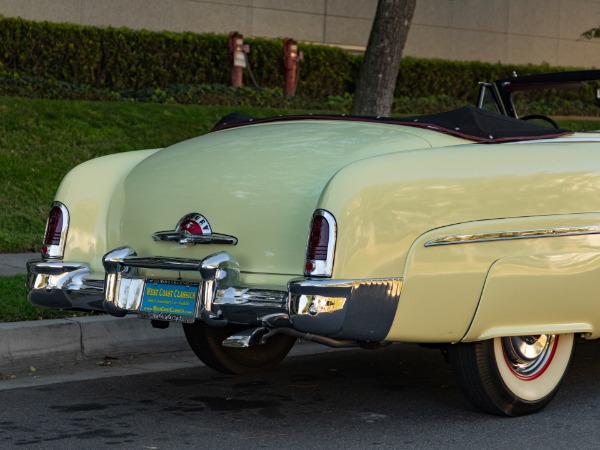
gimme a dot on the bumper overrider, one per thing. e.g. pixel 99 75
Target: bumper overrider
pixel 332 312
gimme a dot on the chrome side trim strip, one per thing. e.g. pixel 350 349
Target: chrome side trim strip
pixel 511 235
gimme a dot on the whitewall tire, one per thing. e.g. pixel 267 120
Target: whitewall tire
pixel 512 375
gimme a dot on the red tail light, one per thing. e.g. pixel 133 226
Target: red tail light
pixel 318 239
pixel 320 247
pixel 54 227
pixel 56 231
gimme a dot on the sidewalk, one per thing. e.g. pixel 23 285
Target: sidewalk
pixel 41 342
pixel 14 263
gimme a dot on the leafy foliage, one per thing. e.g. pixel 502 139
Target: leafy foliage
pixel 120 58
pixel 112 63
pixel 592 33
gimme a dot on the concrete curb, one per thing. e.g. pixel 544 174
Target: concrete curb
pixel 24 344
pixel 42 342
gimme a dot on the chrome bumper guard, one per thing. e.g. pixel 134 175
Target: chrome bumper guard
pixel 360 310
pixel 63 285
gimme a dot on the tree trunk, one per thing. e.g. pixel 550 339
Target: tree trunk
pixel 377 78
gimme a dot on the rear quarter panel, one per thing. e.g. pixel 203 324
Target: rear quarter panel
pixel 388 207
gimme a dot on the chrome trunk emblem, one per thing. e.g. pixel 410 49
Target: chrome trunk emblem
pixel 194 229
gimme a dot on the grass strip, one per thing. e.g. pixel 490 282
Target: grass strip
pixel 41 140
pixel 15 307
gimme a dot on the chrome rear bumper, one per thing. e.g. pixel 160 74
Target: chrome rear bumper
pixel 63 285
pixel 361 310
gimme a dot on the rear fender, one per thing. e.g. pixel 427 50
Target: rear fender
pixel 89 192
pixel 474 290
pixel 540 293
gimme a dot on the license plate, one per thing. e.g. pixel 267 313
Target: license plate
pixel 170 300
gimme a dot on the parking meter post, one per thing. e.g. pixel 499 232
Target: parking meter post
pixel 237 59
pixel 290 63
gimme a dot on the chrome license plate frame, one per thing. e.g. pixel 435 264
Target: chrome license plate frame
pixel 169 300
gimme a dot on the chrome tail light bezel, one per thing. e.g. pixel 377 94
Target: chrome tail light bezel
pixel 322 267
pixel 50 249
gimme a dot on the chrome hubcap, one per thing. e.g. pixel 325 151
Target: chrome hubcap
pixel 528 356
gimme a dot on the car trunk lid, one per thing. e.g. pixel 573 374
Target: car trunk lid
pixel 259 183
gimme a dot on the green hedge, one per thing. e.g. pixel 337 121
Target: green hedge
pixel 110 57
pixel 120 59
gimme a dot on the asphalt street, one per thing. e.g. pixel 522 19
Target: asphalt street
pixel 399 397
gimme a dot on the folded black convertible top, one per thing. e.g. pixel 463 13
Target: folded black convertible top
pixel 468 122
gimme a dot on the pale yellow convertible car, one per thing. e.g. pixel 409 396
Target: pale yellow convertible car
pixel 469 230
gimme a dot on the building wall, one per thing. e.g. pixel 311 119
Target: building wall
pixel 510 31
